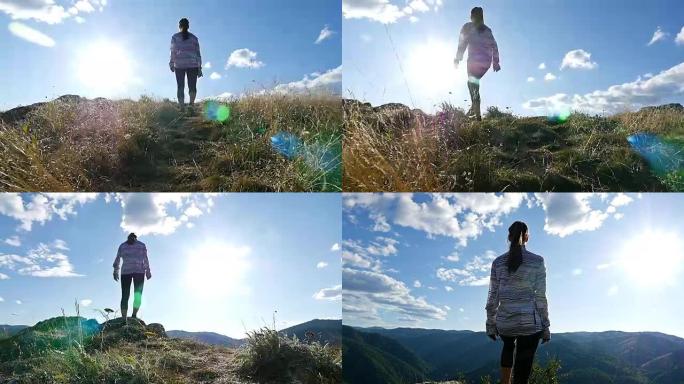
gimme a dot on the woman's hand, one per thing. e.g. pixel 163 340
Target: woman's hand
pixel 199 73
pixel 116 276
pixel 546 336
pixel 149 275
pixel 493 337
pixel 497 67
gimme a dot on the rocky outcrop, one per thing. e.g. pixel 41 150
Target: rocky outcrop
pixel 118 330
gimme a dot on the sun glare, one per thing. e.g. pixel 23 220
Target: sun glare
pixel 430 69
pixel 218 269
pixel 105 67
pixel 653 258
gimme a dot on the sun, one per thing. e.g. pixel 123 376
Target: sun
pixel 653 258
pixel 430 69
pixel 105 67
pixel 216 269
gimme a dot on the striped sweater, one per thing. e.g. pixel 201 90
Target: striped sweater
pixel 516 304
pixel 185 54
pixel 133 258
pixel 482 47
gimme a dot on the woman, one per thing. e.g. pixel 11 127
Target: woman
pixel 517 310
pixel 134 267
pixel 482 51
pixel 185 60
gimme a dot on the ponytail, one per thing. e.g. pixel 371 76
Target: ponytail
pixel 516 234
pixel 184 25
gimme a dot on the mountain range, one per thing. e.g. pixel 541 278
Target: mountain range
pixel 411 355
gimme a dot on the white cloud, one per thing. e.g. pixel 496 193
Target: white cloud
pixel 335 247
pixel 617 98
pixel 330 81
pixel 567 213
pixel 461 310
pixel 542 66
pixel 332 293
pixel 1 299
pixel 244 58
pixel 550 77
pixel 460 216
pixel 3 277
pixel 40 208
pixel 414 19
pixel 13 241
pixel 42 261
pixel 679 39
pixel 448 308
pixel 321 264
pixel 19 302
pixel 576 271
pixel 417 284
pixel 325 33
pixel 448 288
pixel 474 273
pixel 207 65
pixel 86 302
pixel 365 292
pixel 383 246
pixel 31 35
pixel 658 35
pixel 530 79
pixel 47 11
pixel 215 76
pixel 453 256
pixel 386 12
pixel 79 19
pixel 578 59
pixel 161 213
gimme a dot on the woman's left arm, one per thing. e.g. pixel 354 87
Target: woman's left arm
pixel 540 297
pixel 492 302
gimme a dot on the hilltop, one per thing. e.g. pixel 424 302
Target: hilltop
pixel 260 142
pixel 409 355
pixel 395 148
pixel 78 350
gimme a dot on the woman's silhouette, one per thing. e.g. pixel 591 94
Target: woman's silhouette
pixel 517 310
pixel 134 267
pixel 185 60
pixel 482 52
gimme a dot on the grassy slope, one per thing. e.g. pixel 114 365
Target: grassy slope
pixel 392 148
pixel 74 350
pixel 147 145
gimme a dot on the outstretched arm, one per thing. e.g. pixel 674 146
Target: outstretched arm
pixel 492 303
pixel 540 298
pixel 462 44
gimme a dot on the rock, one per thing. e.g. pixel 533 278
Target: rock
pixel 157 329
pixel 673 106
pixel 117 330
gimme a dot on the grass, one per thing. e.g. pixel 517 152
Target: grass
pixel 396 149
pixel 67 350
pixel 150 145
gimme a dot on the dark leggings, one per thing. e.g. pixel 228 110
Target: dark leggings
pixel 192 81
pixel 138 283
pixel 524 348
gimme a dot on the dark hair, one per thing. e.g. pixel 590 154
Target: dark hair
pixel 184 25
pixel 515 235
pixel 477 14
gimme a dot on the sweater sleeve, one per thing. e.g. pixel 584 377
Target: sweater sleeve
pixel 540 296
pixel 462 43
pixel 146 261
pixel 117 260
pixel 492 302
pixel 172 58
pixel 199 54
pixel 495 49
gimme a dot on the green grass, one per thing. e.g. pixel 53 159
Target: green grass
pixel 396 149
pixel 150 145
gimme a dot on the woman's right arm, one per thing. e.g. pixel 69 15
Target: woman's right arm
pixel 540 298
pixel 462 43
pixel 116 263
pixel 492 302
pixel 172 58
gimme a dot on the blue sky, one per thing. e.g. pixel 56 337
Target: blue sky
pixel 120 48
pixel 614 261
pixel 607 44
pixel 219 263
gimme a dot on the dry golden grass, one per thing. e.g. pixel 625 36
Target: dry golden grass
pixel 149 145
pixel 392 148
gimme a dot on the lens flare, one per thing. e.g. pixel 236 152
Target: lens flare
pixel 662 156
pixel 316 155
pixel 217 111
